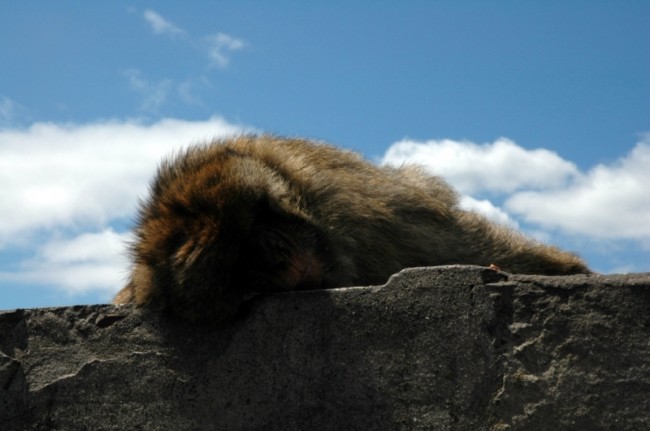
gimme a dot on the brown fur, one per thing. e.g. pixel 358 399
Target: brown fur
pixel 262 213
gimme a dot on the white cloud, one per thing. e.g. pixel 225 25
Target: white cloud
pixel 488 209
pixel 609 201
pixel 89 262
pixel 65 185
pixel 218 46
pixel 160 25
pixel 606 202
pixel 501 166
pixel 54 176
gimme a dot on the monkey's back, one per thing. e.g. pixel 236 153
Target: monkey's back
pixel 389 218
pixel 383 218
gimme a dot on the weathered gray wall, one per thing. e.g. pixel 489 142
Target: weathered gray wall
pixel 449 348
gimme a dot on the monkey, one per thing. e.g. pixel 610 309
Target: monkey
pixel 249 214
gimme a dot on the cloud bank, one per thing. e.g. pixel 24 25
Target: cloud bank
pixel 608 201
pixel 68 192
pixel 66 185
pixel 501 166
pixel 94 261
pixel 540 187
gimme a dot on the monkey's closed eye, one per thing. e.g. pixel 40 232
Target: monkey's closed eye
pixel 275 249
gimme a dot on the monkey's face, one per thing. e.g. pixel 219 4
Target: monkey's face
pixel 218 227
pixel 205 259
pixel 282 252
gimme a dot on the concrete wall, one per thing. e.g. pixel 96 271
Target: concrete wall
pixel 443 348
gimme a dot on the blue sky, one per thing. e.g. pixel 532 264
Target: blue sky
pixel 537 112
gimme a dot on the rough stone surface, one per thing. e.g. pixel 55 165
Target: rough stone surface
pixel 443 348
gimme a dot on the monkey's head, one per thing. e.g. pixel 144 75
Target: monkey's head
pixel 218 227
